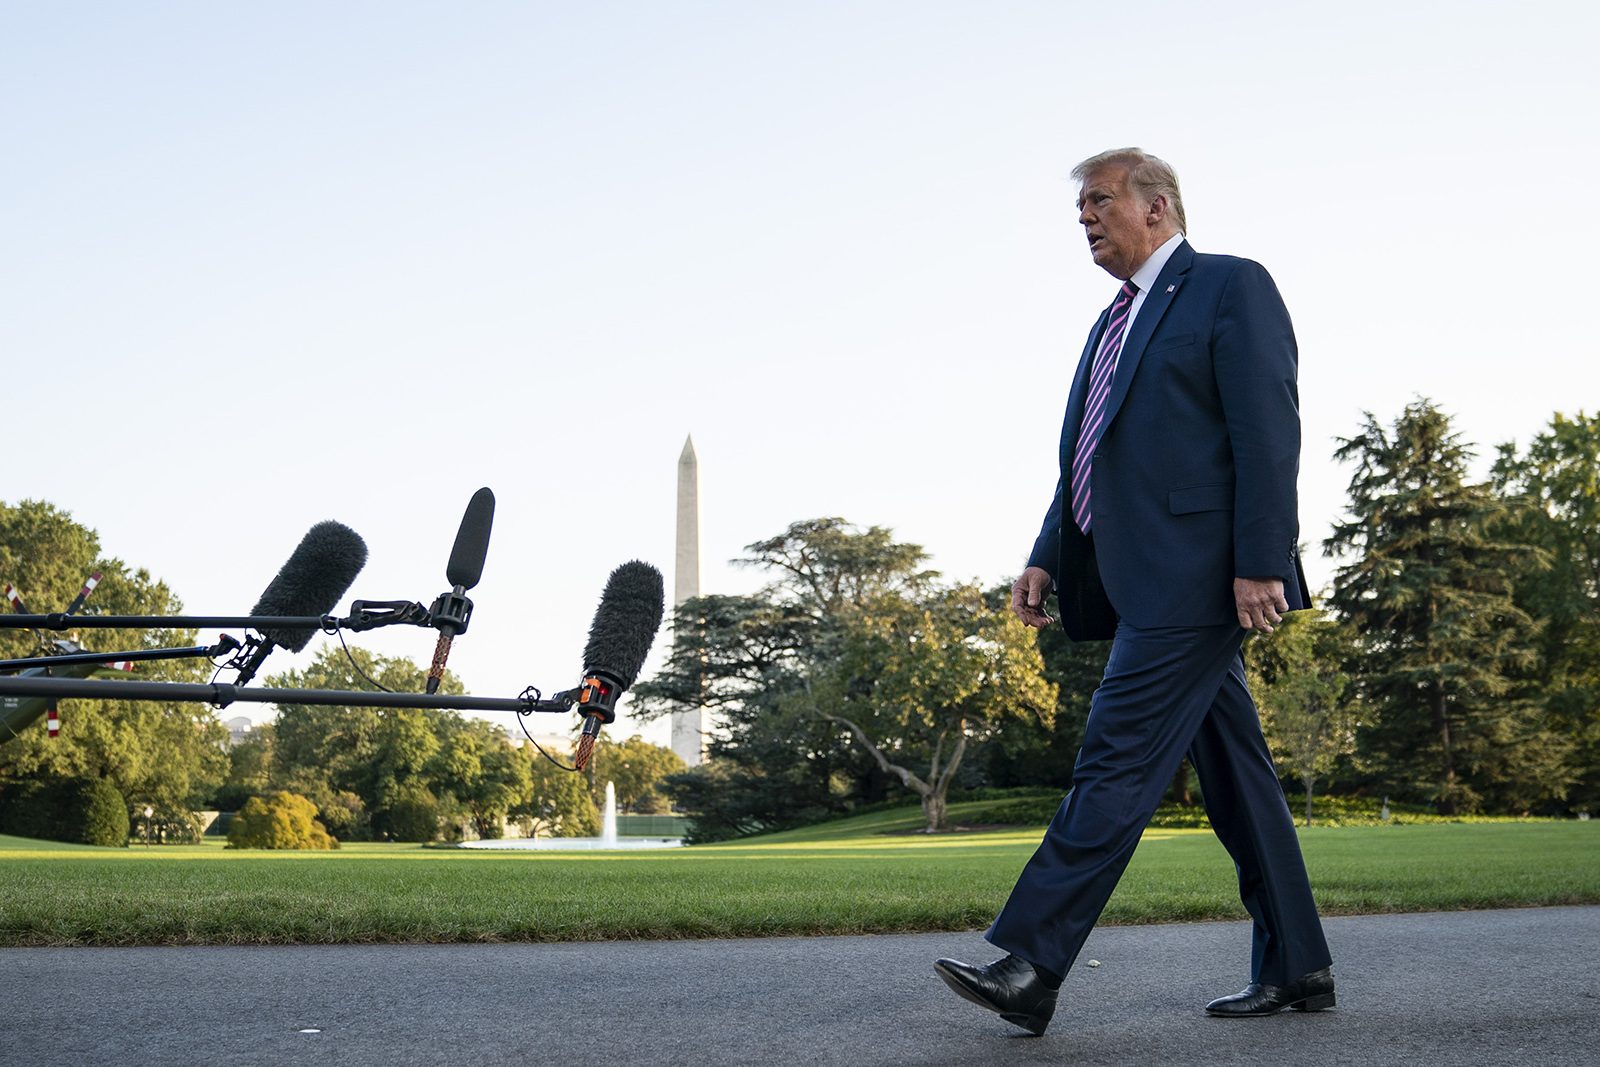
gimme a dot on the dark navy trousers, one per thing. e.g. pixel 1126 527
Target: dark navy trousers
pixel 1167 691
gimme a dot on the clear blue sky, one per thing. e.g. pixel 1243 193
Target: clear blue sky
pixel 262 265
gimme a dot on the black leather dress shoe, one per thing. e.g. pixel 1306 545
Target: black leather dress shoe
pixel 1010 986
pixel 1309 992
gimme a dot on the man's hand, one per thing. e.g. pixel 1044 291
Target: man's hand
pixel 1029 594
pixel 1259 601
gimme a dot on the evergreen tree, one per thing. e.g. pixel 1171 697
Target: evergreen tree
pixel 1428 590
pixel 1555 487
pixel 744 658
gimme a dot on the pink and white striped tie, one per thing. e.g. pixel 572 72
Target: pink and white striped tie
pixel 1094 408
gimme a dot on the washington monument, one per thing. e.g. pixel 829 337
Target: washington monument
pixel 688 727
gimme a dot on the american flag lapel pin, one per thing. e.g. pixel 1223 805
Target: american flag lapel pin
pixel 1172 288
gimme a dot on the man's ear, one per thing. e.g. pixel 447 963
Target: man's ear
pixel 1157 211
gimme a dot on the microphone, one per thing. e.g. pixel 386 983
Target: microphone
pixel 620 637
pixel 452 611
pixel 317 574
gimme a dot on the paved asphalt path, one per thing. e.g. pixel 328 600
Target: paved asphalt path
pixel 1491 987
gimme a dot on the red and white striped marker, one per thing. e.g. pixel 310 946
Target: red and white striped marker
pixel 53 722
pixel 121 665
pixel 83 594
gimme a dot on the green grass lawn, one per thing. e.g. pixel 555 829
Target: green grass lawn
pixel 836 878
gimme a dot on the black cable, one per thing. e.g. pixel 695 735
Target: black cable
pixel 340 635
pixel 536 696
pixel 540 747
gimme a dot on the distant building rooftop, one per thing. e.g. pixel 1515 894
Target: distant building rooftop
pixel 549 742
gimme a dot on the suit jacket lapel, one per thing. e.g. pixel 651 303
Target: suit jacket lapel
pixel 1155 305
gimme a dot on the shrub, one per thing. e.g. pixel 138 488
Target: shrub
pixel 414 817
pixel 343 814
pixel 283 820
pixel 104 819
pixel 86 811
pixel 178 827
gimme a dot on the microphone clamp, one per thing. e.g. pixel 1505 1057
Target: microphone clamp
pixel 533 700
pixel 248 659
pixel 242 651
pixel 371 614
pixel 451 613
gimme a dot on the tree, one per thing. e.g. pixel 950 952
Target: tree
pixel 408 771
pixel 383 757
pixel 774 764
pixel 1300 691
pixel 852 650
pixel 1554 489
pixel 249 773
pixel 478 766
pixel 1428 591
pixel 636 767
pixel 558 801
pixel 412 814
pixel 281 821
pixel 167 755
pixel 917 680
pixel 1040 752
pixel 87 811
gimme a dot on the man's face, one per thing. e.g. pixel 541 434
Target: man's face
pixel 1116 222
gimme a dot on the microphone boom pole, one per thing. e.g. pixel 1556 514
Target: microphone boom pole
pixel 59 621
pixel 223 694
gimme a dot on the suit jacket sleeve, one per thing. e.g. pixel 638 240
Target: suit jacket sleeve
pixel 1255 359
pixel 1047 547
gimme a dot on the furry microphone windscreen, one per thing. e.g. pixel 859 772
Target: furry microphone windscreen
pixel 327 560
pixel 626 622
pixel 472 541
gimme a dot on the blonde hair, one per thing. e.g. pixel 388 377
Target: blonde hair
pixel 1148 178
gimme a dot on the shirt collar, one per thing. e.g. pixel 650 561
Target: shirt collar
pixel 1146 275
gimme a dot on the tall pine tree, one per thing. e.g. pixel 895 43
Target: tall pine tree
pixel 1555 489
pixel 1429 591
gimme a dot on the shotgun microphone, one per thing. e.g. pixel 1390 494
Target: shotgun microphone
pixel 317 574
pixel 620 637
pixel 452 611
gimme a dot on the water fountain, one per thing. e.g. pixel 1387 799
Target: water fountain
pixel 608 838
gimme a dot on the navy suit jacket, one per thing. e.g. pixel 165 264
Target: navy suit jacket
pixel 1193 481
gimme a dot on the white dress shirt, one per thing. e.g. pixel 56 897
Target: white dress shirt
pixel 1144 278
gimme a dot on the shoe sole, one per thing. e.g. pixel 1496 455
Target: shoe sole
pixel 1031 1023
pixel 1320 1002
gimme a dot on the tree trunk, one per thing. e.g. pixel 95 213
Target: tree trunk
pixel 1447 765
pixel 1180 785
pixel 1310 782
pixel 932 792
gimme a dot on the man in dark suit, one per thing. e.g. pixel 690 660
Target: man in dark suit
pixel 1174 533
